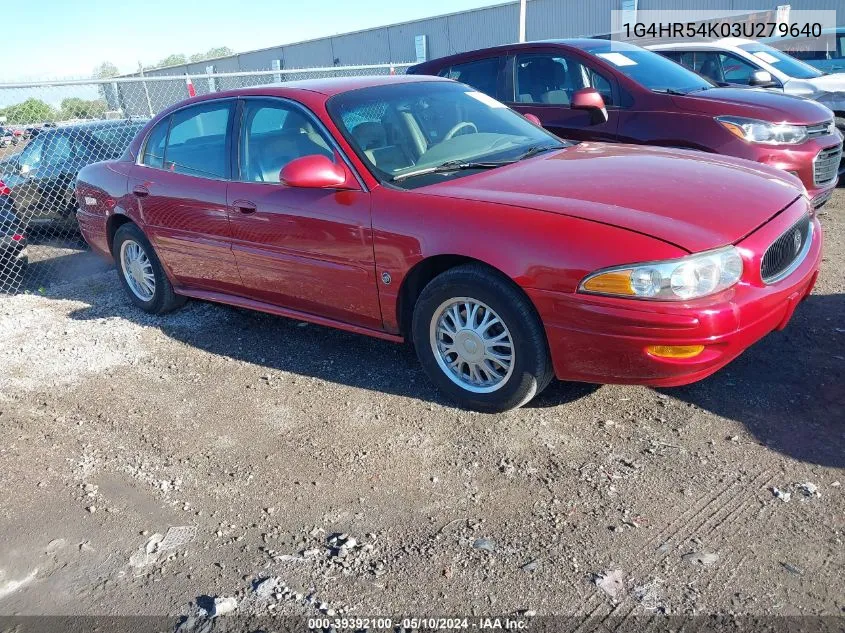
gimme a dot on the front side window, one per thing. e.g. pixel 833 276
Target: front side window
pixel 197 142
pixel 552 79
pixel 781 61
pixel 481 74
pixel 273 134
pixel 424 125
pixel 736 70
pixel 154 148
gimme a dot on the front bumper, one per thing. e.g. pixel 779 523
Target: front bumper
pixel 604 339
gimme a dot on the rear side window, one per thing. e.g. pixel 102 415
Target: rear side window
pixel 482 74
pixel 197 143
pixel 154 149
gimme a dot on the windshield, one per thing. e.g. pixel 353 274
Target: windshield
pixel 398 129
pixel 652 70
pixel 786 64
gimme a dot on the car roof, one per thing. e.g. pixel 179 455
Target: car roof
pixel 96 125
pixel 727 42
pixel 327 86
pixel 586 44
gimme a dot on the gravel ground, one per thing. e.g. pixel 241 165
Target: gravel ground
pixel 151 465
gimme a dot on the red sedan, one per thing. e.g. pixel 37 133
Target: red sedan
pixel 418 208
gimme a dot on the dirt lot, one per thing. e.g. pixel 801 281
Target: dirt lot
pixel 264 439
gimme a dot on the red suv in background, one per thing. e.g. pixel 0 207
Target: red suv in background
pixel 597 90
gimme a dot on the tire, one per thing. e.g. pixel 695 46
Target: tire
pixel 161 298
pixel 509 386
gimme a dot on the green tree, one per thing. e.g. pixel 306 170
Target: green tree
pixel 172 60
pixel 29 111
pixel 76 108
pixel 212 53
pixel 105 70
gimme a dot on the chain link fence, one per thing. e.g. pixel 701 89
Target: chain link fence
pixel 50 130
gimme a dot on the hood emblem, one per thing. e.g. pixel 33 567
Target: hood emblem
pixel 796 241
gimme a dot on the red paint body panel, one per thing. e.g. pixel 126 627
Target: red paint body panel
pixel 545 222
pixel 186 219
pixel 652 118
pixel 308 249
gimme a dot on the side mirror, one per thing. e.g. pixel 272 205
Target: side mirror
pixel 315 172
pixel 762 79
pixel 533 119
pixel 589 99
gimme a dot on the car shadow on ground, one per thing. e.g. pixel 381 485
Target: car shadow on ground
pixel 788 389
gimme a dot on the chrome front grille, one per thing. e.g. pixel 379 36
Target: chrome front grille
pixel 820 129
pixel 826 165
pixel 787 251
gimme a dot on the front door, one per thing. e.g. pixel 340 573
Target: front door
pixel 309 250
pixel 543 84
pixel 180 189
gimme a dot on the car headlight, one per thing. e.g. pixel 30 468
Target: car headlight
pixel 764 132
pixel 680 279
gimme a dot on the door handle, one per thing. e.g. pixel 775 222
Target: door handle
pixel 140 191
pixel 245 206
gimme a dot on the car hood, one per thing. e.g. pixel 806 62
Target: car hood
pixel 689 199
pixel 755 104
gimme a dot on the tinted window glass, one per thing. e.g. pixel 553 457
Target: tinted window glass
pixel 196 144
pixel 736 70
pixel 60 150
pixel 154 149
pixel 482 74
pixel 273 134
pixel 31 154
pixel 649 69
pixel 552 79
pixel 115 138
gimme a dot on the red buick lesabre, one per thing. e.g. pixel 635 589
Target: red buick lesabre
pixel 418 208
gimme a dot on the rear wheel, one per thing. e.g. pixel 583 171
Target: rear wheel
pixel 141 272
pixel 480 340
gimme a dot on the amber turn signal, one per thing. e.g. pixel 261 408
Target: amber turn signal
pixel 675 351
pixel 617 282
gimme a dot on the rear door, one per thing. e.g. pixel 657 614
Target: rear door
pixel 180 186
pixel 543 84
pixel 309 250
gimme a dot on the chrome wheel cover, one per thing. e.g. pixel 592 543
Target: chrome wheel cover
pixel 137 270
pixel 472 345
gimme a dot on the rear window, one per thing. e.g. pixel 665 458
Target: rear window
pixel 116 137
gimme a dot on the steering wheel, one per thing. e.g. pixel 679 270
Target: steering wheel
pixel 458 127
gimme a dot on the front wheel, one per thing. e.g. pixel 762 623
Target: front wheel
pixel 480 340
pixel 141 273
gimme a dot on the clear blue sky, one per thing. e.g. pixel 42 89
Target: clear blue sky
pixel 44 39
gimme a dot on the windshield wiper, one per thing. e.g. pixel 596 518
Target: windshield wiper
pixel 457 165
pixel 670 91
pixel 452 165
pixel 537 149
